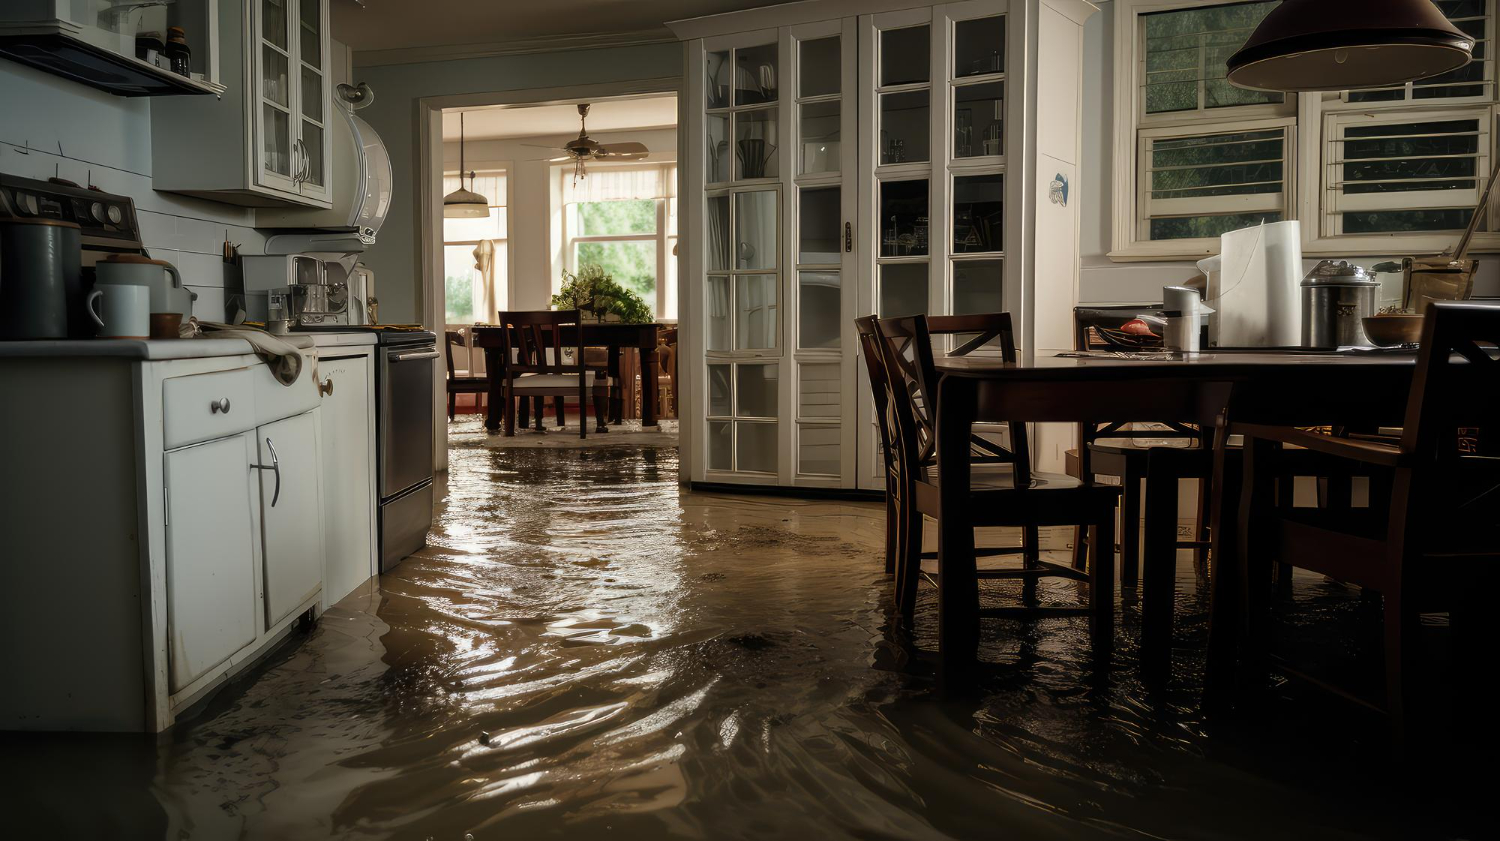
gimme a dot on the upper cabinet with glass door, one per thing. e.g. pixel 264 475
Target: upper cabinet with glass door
pixel 276 111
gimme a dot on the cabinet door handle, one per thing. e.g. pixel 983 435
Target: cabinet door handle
pixel 848 237
pixel 274 466
pixel 306 170
pixel 325 387
pixel 217 406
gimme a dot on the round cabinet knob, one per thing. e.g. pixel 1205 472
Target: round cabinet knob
pixel 326 387
pixel 219 406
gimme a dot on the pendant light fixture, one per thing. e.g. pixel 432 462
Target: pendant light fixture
pixel 461 203
pixel 1335 45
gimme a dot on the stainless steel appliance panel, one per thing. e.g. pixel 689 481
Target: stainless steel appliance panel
pixel 404 522
pixel 406 416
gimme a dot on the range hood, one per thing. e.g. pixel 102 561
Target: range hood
pixel 53 47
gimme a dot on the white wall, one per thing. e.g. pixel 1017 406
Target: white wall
pixel 50 127
pixel 535 202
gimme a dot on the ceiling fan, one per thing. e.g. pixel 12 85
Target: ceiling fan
pixel 584 148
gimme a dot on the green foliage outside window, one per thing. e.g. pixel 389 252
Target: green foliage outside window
pixel 593 291
pixel 458 293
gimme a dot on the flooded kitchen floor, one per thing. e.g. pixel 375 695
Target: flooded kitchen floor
pixel 586 650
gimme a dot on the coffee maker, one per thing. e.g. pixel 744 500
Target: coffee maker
pixel 304 279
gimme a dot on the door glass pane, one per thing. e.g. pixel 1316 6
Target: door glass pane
pixel 717 85
pixel 458 284
pixel 818 449
pixel 273 22
pixel 978 120
pixel 818 390
pixel 720 445
pixel 903 289
pixel 819 226
pixel 820 137
pixel 278 140
pixel 903 218
pixel 312 141
pixel 819 310
pixel 978 47
pixel 819 72
pixel 755 446
pixel 311 40
pixel 718 313
pixel 718 233
pixel 755 226
pixel 755 319
pixel 719 405
pixel 978 213
pixel 978 286
pixel 755 144
pixel 274 85
pixel 904 127
pixel 755 391
pixel 904 55
pixel 718 149
pixel 755 75
pixel 312 95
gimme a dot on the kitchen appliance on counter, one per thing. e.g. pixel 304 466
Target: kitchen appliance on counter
pixel 313 276
pixel 1336 298
pixel 405 375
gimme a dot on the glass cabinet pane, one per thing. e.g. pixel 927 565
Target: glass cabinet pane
pixel 819 70
pixel 978 47
pixel 755 75
pixel 718 149
pixel 904 127
pixel 978 213
pixel 312 94
pixel 278 141
pixel 903 289
pixel 978 120
pixel 820 137
pixel 978 286
pixel 905 56
pixel 755 224
pixel 818 390
pixel 819 226
pixel 755 319
pixel 903 218
pixel 717 208
pixel 274 82
pixel 720 445
pixel 755 391
pixel 818 449
pixel 312 147
pixel 310 40
pixel 755 144
pixel 719 405
pixel 717 83
pixel 819 310
pixel 755 446
pixel 273 26
pixel 718 313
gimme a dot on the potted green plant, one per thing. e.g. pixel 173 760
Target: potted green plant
pixel 594 291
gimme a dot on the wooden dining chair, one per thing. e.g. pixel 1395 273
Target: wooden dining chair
pixel 1000 493
pixel 461 381
pixel 1432 545
pixel 532 341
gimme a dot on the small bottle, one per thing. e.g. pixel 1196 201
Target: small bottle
pixel 177 51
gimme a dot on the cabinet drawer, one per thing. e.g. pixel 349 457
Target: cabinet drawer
pixel 205 406
pixel 274 401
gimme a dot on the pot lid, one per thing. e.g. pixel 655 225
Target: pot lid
pixel 1338 273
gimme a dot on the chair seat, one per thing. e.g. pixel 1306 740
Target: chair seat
pixel 524 381
pixel 997 477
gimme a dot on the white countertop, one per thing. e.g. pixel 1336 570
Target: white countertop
pixel 141 348
pixel 339 339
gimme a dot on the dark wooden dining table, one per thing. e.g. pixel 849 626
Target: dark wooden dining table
pixel 612 336
pixel 1212 388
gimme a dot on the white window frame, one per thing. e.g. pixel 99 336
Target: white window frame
pixel 666 242
pixel 504 200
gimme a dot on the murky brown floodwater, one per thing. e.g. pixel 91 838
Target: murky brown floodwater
pixel 587 651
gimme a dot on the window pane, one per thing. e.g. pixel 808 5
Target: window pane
pixel 631 264
pixel 820 137
pixel 718 233
pixel 1398 221
pixel 905 55
pixel 903 289
pixel 978 213
pixel 820 226
pixel 458 284
pixel 471 230
pixel 819 308
pixel 755 76
pixel 755 226
pixel 978 120
pixel 1189 227
pixel 718 313
pixel 718 79
pixel 818 449
pixel 614 218
pixel 978 286
pixel 755 391
pixel 718 149
pixel 819 73
pixel 903 218
pixel 1467 15
pixel 978 47
pixel 720 445
pixel 818 390
pixel 904 127
pixel 755 319
pixel 1189 46
pixel 719 405
pixel 755 446
pixel 1217 165
pixel 1411 156
pixel 755 144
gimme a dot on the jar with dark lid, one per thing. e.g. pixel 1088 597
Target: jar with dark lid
pixel 148 45
pixel 177 51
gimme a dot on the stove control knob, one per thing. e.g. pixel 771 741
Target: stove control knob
pixel 96 210
pixel 114 214
pixel 27 203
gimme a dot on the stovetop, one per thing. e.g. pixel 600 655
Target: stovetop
pixel 385 334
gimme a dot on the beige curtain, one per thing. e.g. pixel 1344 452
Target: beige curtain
pixel 486 260
pixel 621 183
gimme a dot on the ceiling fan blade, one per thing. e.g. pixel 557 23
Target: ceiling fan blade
pixel 539 146
pixel 561 159
pixel 623 151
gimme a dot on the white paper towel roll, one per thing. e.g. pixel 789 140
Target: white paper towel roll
pixel 1256 294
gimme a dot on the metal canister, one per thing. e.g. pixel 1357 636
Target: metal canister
pixel 1336 296
pixel 41 280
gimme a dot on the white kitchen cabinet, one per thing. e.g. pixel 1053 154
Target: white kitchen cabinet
pixel 291 513
pixel 210 555
pixel 348 452
pixel 267 141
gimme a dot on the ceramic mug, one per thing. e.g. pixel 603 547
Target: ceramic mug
pixel 124 312
pixel 162 278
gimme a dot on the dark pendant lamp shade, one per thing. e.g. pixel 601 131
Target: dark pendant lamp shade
pixel 1334 45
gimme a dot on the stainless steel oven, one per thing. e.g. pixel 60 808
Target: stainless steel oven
pixel 404 386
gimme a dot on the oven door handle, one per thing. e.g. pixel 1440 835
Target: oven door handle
pixel 412 356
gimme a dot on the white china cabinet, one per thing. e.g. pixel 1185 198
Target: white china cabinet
pixel 268 141
pixel 850 158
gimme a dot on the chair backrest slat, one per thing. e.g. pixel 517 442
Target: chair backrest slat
pixel 531 334
pixel 869 346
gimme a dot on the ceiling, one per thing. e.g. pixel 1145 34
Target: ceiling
pixel 532 121
pixel 399 24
